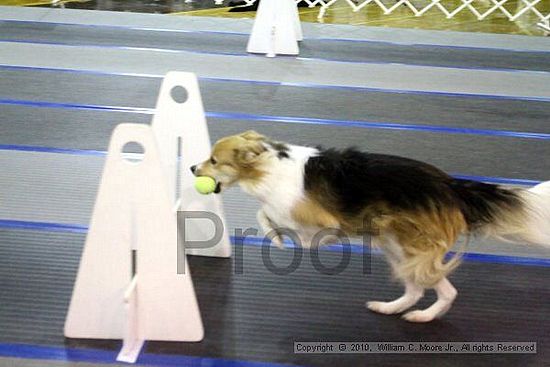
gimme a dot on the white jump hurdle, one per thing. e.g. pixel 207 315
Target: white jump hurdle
pixel 128 284
pixel 276 29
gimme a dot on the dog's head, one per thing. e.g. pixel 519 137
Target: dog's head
pixel 234 158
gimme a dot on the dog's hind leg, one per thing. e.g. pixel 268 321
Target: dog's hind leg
pixel 413 292
pixel 446 294
pixel 425 268
pixel 417 254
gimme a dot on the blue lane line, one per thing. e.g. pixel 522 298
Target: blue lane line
pixel 259 241
pixel 101 153
pixel 108 357
pixel 40 149
pixel 503 259
pixel 499 180
pixel 249 55
pixel 283 84
pixel 77 106
pixel 293 120
pixel 263 241
pixel 359 249
pixel 43 226
pixel 378 125
pixel 329 39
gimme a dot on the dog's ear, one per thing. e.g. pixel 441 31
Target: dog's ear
pixel 249 153
pixel 252 135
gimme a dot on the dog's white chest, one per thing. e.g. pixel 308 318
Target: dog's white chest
pixel 283 187
pixel 281 216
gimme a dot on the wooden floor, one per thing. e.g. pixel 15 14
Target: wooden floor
pixel 341 13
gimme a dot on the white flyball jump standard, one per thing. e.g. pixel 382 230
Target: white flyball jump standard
pixel 133 281
pixel 180 127
pixel 276 29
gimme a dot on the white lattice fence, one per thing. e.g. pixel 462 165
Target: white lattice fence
pixel 480 8
pixel 313 3
pixel 545 23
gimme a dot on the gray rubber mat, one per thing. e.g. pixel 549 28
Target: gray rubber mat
pixel 236 44
pixel 311 30
pixel 463 154
pixel 61 188
pixel 278 100
pixel 253 314
pixel 529 84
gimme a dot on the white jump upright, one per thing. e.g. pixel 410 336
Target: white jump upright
pixel 276 29
pixel 180 127
pixel 133 282
pixel 133 217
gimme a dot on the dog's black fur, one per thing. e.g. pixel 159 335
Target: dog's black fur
pixel 357 179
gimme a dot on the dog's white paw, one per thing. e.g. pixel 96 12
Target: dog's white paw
pixel 419 316
pixel 386 308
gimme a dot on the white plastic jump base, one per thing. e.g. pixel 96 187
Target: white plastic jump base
pixel 133 282
pixel 276 29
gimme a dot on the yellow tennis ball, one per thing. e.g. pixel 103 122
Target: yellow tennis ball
pixel 205 185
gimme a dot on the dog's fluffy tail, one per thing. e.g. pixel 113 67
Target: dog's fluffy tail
pixel 516 215
pixel 537 203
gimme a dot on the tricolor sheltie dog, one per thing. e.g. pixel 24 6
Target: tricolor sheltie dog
pixel 413 211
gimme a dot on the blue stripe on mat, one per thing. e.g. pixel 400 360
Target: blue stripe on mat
pixel 76 106
pixel 293 120
pixel 43 226
pixel 378 125
pixel 259 241
pixel 498 180
pixel 249 55
pixel 106 357
pixel 358 249
pixel 285 84
pixel 41 149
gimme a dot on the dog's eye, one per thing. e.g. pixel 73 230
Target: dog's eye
pixel 213 161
